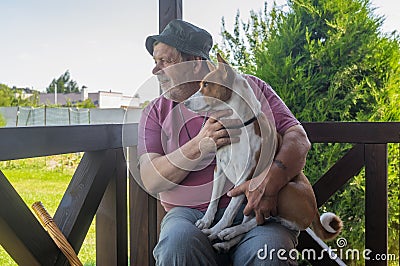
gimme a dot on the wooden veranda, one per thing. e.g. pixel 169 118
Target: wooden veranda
pixel 99 187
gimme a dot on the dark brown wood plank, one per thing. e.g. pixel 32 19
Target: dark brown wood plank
pixel 153 236
pixel 140 253
pixel 111 219
pixel 83 196
pixel 21 234
pixel 343 170
pixel 376 203
pixel 160 215
pixel 26 142
pixel 353 132
pixel 168 10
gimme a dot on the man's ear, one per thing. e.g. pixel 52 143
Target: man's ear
pixel 196 65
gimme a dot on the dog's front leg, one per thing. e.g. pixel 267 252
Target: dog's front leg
pixel 233 235
pixel 231 232
pixel 227 218
pixel 218 188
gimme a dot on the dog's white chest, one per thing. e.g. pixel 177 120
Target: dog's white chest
pixel 237 160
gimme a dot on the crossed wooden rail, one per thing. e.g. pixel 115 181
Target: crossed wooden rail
pixel 99 187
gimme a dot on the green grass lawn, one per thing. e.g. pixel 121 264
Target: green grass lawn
pixel 45 179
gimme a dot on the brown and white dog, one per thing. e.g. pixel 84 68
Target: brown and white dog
pixel 221 89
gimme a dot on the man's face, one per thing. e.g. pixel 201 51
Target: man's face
pixel 175 76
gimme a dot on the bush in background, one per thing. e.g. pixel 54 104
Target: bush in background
pixel 329 61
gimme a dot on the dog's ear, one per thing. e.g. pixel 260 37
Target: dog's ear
pixel 220 59
pixel 223 65
pixel 211 66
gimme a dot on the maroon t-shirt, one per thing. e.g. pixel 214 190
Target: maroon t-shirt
pixel 163 128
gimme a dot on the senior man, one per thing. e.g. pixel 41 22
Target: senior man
pixel 175 165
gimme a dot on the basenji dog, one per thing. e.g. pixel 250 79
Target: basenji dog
pixel 224 88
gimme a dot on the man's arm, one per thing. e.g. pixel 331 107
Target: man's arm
pixel 288 162
pixel 163 172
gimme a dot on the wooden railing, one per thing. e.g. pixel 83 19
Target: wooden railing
pixel 370 151
pixel 99 186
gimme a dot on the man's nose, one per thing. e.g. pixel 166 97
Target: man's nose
pixel 158 68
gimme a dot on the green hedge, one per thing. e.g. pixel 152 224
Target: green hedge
pixel 329 61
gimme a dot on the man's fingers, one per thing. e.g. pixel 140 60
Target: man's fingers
pixel 247 210
pixel 231 123
pixel 215 116
pixel 241 189
pixel 274 212
pixel 260 218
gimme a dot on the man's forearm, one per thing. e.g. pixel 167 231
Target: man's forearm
pixel 289 161
pixel 160 173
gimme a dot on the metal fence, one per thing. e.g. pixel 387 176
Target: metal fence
pixel 43 116
pixel 46 116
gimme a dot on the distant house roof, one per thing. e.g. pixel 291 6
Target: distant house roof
pixel 62 98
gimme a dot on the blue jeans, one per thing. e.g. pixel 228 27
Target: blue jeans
pixel 182 243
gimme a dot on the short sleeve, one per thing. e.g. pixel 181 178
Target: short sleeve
pixel 283 117
pixel 150 130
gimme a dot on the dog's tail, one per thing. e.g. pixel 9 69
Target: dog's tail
pixel 327 226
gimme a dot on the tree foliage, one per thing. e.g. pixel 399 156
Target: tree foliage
pixel 3 121
pixel 64 84
pixel 329 61
pixel 13 97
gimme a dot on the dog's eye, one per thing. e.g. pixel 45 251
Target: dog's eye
pixel 205 84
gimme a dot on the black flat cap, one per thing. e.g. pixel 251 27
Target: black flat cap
pixel 185 37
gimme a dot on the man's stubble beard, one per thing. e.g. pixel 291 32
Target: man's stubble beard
pixel 181 92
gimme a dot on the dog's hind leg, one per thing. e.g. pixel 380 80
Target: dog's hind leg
pixel 217 191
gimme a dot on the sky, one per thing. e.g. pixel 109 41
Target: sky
pixel 101 42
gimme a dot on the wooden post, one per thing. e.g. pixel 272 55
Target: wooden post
pixel 111 219
pixel 376 202
pixel 143 217
pixel 168 10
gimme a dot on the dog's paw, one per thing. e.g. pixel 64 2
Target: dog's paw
pixel 225 246
pixel 203 223
pixel 222 247
pixel 211 233
pixel 227 234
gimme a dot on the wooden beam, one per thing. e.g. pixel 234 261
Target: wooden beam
pixel 111 219
pixel 376 202
pixel 17 143
pixel 168 10
pixel 83 196
pixel 353 132
pixel 343 170
pixel 21 234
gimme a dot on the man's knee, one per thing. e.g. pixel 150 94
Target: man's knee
pixel 271 244
pixel 181 241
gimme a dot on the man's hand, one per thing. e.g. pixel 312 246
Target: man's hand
pixel 258 201
pixel 214 134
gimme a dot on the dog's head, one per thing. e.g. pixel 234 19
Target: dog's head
pixel 215 89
